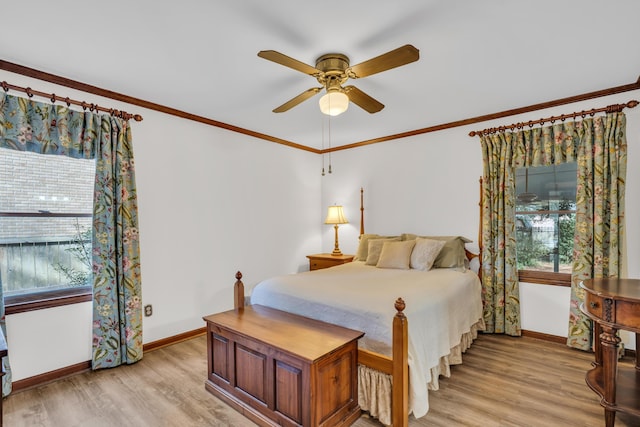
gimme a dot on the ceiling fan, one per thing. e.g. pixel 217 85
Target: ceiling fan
pixel 333 70
pixel 527 197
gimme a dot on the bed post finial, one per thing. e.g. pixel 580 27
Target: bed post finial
pixel 400 375
pixel 361 211
pixel 238 293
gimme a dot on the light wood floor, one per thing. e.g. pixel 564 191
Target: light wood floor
pixel 504 381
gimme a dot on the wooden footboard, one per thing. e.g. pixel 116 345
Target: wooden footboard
pixel 397 366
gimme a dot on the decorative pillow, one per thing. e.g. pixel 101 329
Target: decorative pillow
pixel 396 254
pixel 452 253
pixel 363 247
pixel 425 253
pixel 375 248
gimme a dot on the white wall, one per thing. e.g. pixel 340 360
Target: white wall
pixel 211 202
pixel 428 184
pixel 45 340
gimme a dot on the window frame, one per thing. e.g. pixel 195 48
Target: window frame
pixel 545 277
pixel 46 299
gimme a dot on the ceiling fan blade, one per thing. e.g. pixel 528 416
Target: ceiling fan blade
pixel 287 61
pixel 363 100
pixel 395 58
pixel 297 100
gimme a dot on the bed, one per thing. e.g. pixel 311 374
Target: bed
pixel 409 343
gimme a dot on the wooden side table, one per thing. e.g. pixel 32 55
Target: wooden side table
pixel 318 261
pixel 613 304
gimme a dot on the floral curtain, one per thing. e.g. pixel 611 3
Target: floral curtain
pixel 600 212
pixel 27 125
pixel 598 144
pixel 6 367
pixel 500 292
pixel 117 308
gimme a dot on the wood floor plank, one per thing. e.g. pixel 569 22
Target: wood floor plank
pixel 503 382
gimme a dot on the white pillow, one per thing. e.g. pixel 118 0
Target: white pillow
pixel 425 253
pixel 396 255
pixel 375 247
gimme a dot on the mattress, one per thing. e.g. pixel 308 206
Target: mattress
pixel 441 306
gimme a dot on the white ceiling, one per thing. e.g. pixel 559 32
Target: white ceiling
pixel 476 56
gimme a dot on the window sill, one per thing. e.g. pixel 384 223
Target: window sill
pixel 47 299
pixel 545 278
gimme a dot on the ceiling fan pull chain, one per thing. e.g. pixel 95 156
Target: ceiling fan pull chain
pixel 329 119
pixel 322 142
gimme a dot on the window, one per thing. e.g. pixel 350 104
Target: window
pixel 46 205
pixel 545 222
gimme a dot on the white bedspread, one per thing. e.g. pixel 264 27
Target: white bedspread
pixel 441 305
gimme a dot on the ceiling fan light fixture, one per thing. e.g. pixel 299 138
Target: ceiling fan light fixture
pixel 334 103
pixel 527 197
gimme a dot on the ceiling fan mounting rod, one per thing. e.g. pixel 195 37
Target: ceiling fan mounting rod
pixel 332 67
pixel 332 63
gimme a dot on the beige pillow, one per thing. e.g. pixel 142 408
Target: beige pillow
pixel 363 247
pixel 396 254
pixel 452 253
pixel 425 252
pixel 375 247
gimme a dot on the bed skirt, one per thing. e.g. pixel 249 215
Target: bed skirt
pixel 374 387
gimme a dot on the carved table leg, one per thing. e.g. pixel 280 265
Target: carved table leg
pixel 609 342
pixel 597 348
pixel 637 351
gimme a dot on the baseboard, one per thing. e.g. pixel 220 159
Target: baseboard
pixel 544 337
pixel 563 340
pixel 155 345
pixel 50 376
pixel 81 367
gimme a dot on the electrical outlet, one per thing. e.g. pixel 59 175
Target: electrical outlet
pixel 148 310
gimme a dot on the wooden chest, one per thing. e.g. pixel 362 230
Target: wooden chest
pixel 278 368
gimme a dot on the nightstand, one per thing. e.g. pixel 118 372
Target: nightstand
pixel 318 261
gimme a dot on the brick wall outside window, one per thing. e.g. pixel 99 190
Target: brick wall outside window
pixel 32 182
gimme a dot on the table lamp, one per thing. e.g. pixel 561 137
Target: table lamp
pixel 335 216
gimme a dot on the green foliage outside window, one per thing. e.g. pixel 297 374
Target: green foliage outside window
pixel 529 250
pixel 81 251
pixel 537 253
pixel 566 230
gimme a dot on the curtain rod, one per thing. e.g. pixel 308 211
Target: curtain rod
pixel 53 98
pixel 614 108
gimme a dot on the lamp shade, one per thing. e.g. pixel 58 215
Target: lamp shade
pixel 335 215
pixel 334 102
